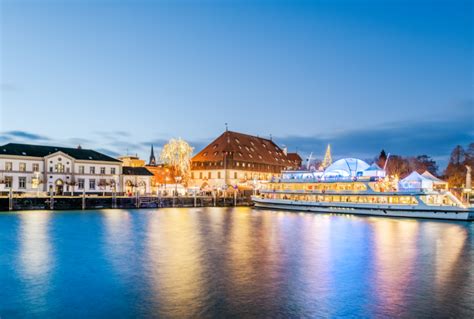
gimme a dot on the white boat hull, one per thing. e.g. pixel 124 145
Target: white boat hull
pixel 453 213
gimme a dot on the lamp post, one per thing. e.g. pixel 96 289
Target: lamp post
pixel 178 180
pixel 166 180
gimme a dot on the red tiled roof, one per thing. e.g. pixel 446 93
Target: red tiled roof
pixel 246 148
pixel 295 157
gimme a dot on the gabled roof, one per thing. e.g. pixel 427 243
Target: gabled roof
pixel 42 151
pixel 415 177
pixel 430 176
pixel 129 170
pixel 244 147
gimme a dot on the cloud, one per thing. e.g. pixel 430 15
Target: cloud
pixel 108 152
pixel 112 135
pixel 24 136
pixel 435 137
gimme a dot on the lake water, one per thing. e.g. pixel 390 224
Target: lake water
pixel 232 262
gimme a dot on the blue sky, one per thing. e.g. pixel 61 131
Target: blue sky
pixel 118 75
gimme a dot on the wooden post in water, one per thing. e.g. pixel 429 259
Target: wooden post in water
pixel 235 198
pixel 10 199
pixel 51 200
pixel 194 199
pixel 83 199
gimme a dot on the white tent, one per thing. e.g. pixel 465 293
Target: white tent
pixel 346 167
pixel 436 181
pixel 415 181
pixel 374 170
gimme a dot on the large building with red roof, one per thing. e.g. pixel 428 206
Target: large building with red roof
pixel 238 160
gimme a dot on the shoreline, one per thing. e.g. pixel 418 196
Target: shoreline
pixel 52 203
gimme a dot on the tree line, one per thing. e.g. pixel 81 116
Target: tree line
pixel 454 174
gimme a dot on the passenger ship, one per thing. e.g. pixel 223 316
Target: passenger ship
pixel 351 186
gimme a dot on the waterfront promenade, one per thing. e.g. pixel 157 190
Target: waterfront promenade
pixel 14 203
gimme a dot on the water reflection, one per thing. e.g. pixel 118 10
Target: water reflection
pixel 395 253
pixel 118 239
pixel 35 257
pixel 175 263
pixel 222 262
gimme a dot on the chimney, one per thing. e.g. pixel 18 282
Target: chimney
pixel 285 150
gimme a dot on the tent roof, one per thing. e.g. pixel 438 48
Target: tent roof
pixel 374 167
pixel 347 165
pixel 415 177
pixel 430 176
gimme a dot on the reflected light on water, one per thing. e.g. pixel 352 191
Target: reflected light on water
pixel 35 255
pixel 233 262
pixel 175 263
pixel 118 239
pixel 395 253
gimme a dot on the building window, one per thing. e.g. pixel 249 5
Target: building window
pixel 36 167
pixel 50 169
pixel 80 183
pixel 59 168
pixel 102 183
pixel 200 175
pixel 102 170
pixel 218 174
pixel 235 175
pixel 192 175
pixel 209 175
pixel 92 170
pixel 22 182
pixel 8 181
pixel 22 167
pixel 112 170
pixel 9 166
pixel 81 169
pixel 92 184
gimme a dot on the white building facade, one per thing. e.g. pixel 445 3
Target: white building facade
pixel 136 180
pixel 39 169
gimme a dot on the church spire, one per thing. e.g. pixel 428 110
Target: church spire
pixel 152 161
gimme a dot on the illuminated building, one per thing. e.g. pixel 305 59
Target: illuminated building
pixel 132 161
pixel 26 168
pixel 238 160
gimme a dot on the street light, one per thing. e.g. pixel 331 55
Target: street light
pixel 178 180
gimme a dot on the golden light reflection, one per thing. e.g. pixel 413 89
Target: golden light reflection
pixel 395 253
pixel 175 254
pixel 449 247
